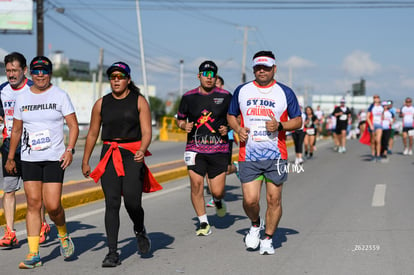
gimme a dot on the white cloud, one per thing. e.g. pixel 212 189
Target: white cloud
pixel 296 62
pixel 359 64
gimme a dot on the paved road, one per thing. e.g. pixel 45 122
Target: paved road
pixel 342 215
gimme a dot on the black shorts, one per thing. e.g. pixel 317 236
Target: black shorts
pixel 339 128
pixel 210 164
pixel 230 152
pixel 44 171
pixel 406 129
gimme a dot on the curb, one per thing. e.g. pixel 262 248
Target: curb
pixel 95 193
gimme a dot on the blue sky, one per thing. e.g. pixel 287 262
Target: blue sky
pixel 326 49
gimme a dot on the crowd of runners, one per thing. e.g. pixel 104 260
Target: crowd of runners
pixel 258 114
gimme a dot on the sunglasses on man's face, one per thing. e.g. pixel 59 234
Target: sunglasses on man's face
pixel 119 76
pixel 39 71
pixel 208 74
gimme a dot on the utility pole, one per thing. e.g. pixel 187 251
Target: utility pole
pixel 141 46
pixel 245 41
pixel 181 77
pixel 40 27
pixel 100 72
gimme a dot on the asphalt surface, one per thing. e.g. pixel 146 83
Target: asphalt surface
pixel 342 215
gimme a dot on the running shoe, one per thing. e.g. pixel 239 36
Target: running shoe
pixel 410 152
pixel 204 229
pixel 210 203
pixel 44 232
pixel 221 212
pixel 405 151
pixel 252 239
pixel 143 242
pixel 32 260
pixel 111 260
pixel 67 248
pixel 266 247
pixel 9 239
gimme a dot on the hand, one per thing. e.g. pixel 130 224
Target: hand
pixel 66 159
pixel 188 127
pixel 244 134
pixel 11 166
pixel 223 130
pixel 272 124
pixel 86 170
pixel 139 156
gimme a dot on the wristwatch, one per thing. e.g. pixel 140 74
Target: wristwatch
pixel 280 127
pixel 72 150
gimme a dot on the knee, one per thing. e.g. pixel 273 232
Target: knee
pixel 54 210
pixel 250 202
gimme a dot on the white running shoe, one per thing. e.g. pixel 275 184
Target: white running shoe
pixel 405 152
pixel 266 247
pixel 410 152
pixel 252 239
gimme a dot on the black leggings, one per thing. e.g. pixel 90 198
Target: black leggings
pixel 298 137
pixel 128 186
pixel 386 134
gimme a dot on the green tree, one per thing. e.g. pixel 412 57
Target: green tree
pixel 157 107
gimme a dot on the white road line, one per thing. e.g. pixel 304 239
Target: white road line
pixel 378 199
pixel 98 211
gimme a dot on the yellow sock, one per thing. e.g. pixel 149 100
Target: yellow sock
pixel 33 242
pixel 62 230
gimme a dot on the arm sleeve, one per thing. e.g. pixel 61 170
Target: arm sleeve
pixel 234 107
pixel 293 109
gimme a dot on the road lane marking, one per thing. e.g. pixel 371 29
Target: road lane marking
pixel 378 199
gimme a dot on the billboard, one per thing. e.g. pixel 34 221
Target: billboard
pixel 16 15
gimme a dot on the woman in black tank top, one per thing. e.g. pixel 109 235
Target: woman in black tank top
pixel 125 117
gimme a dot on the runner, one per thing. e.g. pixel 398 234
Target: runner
pixel 125 118
pixel 202 114
pixel 407 114
pixel 267 110
pixel 374 119
pixel 342 114
pixel 298 137
pixel 311 126
pixel 39 115
pixel 387 122
pixel 17 83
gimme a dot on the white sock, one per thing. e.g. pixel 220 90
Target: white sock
pixel 203 218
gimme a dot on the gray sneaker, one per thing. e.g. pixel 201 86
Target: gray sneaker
pixel 266 247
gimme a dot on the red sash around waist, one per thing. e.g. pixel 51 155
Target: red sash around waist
pixel 150 183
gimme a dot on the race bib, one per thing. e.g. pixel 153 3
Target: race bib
pixel 40 140
pixel 411 133
pixel 189 158
pixel 343 117
pixel 259 133
pixel 310 131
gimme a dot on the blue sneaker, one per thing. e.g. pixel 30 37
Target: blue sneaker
pixel 32 260
pixel 210 203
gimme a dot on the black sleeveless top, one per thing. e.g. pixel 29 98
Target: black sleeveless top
pixel 120 117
